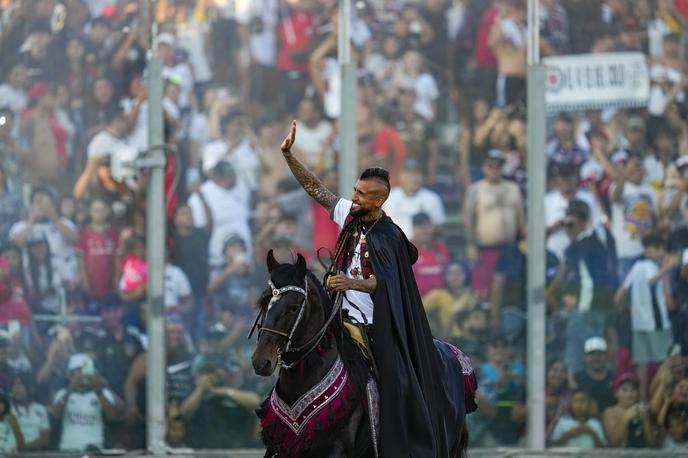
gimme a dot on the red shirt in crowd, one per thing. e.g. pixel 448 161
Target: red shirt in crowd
pixel 296 33
pixel 388 142
pixel 429 268
pixel 325 231
pixel 484 57
pixel 98 252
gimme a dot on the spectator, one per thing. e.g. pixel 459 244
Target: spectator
pixel 627 423
pixel 633 213
pixel 100 105
pixel 557 394
pixel 230 284
pixel 97 247
pixel 587 271
pixel 494 218
pixel 11 206
pixel 554 27
pixel 651 327
pixel 475 141
pixel 45 286
pixel 83 407
pixel 563 148
pixel 117 347
pixel 579 428
pixel 418 135
pixel 12 438
pixel 228 204
pixel 411 75
pixel 676 432
pixel 106 142
pixel 558 200
pixel 411 198
pixel 178 297
pixel 220 415
pixel 387 147
pixel 507 40
pixel 235 148
pixel 13 91
pixel 314 135
pixel 172 68
pixel 485 60
pixel 596 378
pixel 433 255
pixel 32 416
pixel 445 303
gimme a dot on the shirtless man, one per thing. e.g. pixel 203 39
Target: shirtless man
pixel 508 41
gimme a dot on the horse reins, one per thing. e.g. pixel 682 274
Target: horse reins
pixel 311 343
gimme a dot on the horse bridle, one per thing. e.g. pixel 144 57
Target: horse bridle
pixel 312 342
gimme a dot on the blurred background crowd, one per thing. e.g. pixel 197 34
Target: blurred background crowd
pixel 441 104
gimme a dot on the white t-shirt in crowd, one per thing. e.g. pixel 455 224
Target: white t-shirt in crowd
pixel 638 281
pixel 262 42
pixel 401 208
pixel 32 419
pixel 582 441
pixel 243 158
pixel 183 71
pixel 362 300
pixel 62 252
pixel 82 420
pixel 191 37
pixel 8 443
pixel 177 285
pixel 230 212
pixel 631 217
pixel 104 144
pixel 14 99
pixel 138 135
pixel 312 141
pixel 555 210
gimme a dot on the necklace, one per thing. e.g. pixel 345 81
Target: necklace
pixel 363 237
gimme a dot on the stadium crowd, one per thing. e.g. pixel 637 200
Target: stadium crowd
pixel 441 104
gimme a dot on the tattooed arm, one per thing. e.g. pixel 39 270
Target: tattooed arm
pixel 310 183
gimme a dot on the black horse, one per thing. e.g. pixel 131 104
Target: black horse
pixel 323 402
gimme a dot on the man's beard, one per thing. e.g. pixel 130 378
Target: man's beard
pixel 360 212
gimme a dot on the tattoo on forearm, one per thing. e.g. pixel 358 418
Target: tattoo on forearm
pixel 311 184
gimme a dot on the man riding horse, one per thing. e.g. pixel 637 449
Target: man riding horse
pixel 373 260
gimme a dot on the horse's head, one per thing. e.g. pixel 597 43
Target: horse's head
pixel 287 318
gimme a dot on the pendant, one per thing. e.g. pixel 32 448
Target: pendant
pixel 363 240
pixel 354 271
pixel 366 254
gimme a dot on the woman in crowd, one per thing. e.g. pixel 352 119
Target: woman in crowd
pixel 32 416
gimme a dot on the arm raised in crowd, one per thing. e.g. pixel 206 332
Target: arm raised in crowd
pixel 310 183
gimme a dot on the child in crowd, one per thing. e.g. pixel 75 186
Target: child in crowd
pixel 579 428
pixel 652 335
pixel 627 423
pixel 676 431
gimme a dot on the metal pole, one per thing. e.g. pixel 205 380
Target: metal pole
pixel 155 251
pixel 536 234
pixel 348 163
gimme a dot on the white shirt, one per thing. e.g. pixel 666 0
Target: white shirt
pixel 177 286
pixel 104 144
pixel 243 158
pixel 191 37
pixel 186 86
pixel 312 141
pixel 8 443
pixel 263 45
pixel 229 208
pixel 401 208
pixel 82 420
pixel 138 135
pixel 555 210
pixel 32 419
pixel 631 216
pixel 638 281
pixel 62 252
pixel 14 99
pixel 332 97
pixel 582 441
pixel 362 300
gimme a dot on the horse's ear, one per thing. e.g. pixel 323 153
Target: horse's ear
pixel 300 266
pixel 272 262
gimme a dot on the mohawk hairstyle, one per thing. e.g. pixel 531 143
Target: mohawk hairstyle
pixel 377 173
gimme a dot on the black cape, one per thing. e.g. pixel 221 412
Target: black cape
pixel 412 397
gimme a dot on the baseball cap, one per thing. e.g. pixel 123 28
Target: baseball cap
pixel 79 361
pixel 626 377
pixel 37 90
pixel 166 38
pixel 495 155
pixel 420 218
pixel 635 123
pixel 594 344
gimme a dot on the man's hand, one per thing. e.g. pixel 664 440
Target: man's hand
pixel 339 282
pixel 289 139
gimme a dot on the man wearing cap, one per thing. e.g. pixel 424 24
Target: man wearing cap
pixel 411 198
pixel 596 378
pixel 228 205
pixel 167 52
pixel 372 267
pixel 494 217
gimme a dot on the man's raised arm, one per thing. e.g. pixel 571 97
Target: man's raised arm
pixel 310 183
